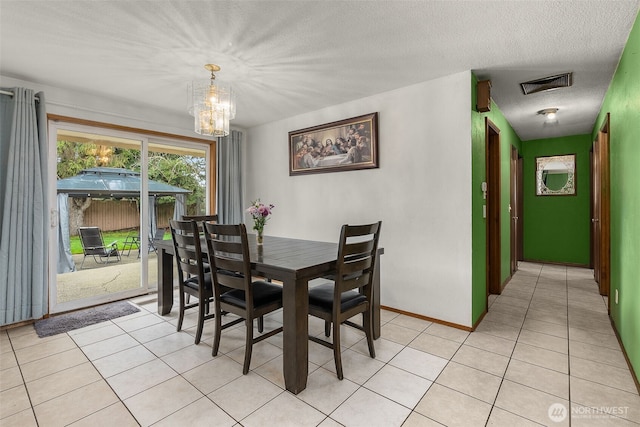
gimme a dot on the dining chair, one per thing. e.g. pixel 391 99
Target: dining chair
pixel 200 219
pixel 192 280
pixel 234 289
pixel 351 290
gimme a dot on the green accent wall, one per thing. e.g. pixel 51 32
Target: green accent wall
pixel 623 102
pixel 557 228
pixel 508 138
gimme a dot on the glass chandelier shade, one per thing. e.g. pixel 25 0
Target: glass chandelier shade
pixel 212 104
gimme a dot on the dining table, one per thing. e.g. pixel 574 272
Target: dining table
pixel 293 262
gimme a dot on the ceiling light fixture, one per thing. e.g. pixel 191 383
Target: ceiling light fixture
pixel 549 113
pixel 212 104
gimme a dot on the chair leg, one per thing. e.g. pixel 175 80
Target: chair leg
pixel 202 306
pixel 327 329
pixel 368 330
pixel 248 346
pixel 216 337
pixel 261 324
pixel 337 355
pixel 181 315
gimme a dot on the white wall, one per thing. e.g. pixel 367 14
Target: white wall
pixel 421 192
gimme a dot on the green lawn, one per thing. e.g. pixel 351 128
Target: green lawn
pixel 108 236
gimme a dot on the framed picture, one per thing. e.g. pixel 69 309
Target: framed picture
pixel 345 145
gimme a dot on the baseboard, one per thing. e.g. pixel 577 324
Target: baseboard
pixel 475 325
pixel 624 352
pixel 17 324
pixel 430 319
pixel 567 264
pixel 505 283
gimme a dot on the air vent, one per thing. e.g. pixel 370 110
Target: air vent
pixel 546 83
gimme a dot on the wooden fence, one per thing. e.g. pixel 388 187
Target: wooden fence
pixel 111 215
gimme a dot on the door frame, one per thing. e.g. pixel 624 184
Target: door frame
pixel 492 165
pixel 515 209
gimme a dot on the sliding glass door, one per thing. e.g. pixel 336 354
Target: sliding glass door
pixel 114 195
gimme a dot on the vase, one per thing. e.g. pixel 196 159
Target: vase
pixel 259 238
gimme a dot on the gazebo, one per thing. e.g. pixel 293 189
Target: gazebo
pixel 108 183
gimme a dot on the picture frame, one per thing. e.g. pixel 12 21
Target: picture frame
pixel 344 145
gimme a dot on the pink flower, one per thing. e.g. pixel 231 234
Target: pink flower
pixel 259 212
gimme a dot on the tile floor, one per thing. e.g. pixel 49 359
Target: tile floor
pixel 545 354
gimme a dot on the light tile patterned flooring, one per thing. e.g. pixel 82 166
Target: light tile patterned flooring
pixel 546 342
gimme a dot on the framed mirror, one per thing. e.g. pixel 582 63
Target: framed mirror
pixel 555 175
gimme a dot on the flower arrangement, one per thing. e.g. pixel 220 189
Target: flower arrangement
pixel 260 214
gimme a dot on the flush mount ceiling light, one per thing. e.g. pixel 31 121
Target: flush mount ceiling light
pixel 212 104
pixel 549 113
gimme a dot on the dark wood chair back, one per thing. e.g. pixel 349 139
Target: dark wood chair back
pixel 228 250
pixel 356 258
pixel 234 289
pixel 188 251
pixel 200 219
pixel 191 273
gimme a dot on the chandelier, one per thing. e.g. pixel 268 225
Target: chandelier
pixel 212 104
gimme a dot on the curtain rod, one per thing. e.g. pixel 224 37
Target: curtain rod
pixel 6 92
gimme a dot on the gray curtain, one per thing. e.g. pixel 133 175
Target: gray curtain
pixel 229 167
pixel 24 231
pixel 180 207
pixel 65 260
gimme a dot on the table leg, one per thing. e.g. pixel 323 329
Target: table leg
pixel 295 299
pixel 165 282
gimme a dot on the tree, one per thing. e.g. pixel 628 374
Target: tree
pixel 184 171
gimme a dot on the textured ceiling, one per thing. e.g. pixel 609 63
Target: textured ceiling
pixel 289 57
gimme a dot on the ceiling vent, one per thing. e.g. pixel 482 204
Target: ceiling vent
pixel 547 83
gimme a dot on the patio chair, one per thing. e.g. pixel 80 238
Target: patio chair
pixel 93 245
pixel 159 235
pixel 132 239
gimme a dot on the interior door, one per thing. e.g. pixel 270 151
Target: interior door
pixel 520 211
pixel 492 140
pixel 595 211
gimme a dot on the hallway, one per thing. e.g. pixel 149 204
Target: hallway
pixel 545 354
